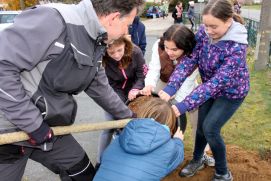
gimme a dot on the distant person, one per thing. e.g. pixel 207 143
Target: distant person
pixel 177 14
pixel 125 69
pixel 220 56
pixel 237 6
pixel 149 148
pixel 191 14
pixel 154 10
pixel 138 34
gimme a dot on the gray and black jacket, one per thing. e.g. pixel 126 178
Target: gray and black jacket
pixel 49 54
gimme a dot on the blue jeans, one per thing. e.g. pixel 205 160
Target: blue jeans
pixel 213 114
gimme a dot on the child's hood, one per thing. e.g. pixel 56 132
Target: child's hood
pixel 237 33
pixel 142 136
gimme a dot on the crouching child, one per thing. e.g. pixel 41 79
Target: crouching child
pixel 149 147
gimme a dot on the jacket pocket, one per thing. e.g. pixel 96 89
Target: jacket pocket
pixel 56 108
pixel 62 110
pixel 67 74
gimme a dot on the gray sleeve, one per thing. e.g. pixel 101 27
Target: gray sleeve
pixel 103 94
pixel 23 45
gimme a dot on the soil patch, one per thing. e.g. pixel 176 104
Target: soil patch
pixel 244 165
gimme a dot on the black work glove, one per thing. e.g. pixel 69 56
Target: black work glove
pixel 43 134
pixel 182 123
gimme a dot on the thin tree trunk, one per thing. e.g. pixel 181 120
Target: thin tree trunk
pixel 265 34
pixel 22 4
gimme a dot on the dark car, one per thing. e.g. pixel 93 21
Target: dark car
pixel 153 12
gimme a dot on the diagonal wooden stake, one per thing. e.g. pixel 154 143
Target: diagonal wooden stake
pixel 8 138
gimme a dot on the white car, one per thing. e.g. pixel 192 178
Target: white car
pixel 7 18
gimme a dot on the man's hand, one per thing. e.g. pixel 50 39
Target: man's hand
pixel 43 134
pixel 163 95
pixel 147 90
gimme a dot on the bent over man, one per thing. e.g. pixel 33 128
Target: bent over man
pixel 42 65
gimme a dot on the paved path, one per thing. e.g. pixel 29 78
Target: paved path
pixel 157 26
pixel 154 29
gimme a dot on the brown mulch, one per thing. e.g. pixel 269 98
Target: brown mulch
pixel 244 165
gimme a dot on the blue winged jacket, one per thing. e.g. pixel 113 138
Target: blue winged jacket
pixel 143 151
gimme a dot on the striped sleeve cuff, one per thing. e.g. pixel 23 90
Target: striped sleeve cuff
pixel 181 107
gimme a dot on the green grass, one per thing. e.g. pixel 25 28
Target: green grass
pixel 254 6
pixel 250 127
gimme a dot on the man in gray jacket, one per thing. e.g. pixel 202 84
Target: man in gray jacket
pixel 49 54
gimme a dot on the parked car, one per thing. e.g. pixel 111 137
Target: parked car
pixel 153 12
pixel 7 18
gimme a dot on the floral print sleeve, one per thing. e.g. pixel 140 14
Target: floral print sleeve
pixel 222 81
pixel 185 68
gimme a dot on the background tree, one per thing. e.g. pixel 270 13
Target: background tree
pixel 265 33
pixel 20 4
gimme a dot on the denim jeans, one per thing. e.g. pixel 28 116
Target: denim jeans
pixel 213 114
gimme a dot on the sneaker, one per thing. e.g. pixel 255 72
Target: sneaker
pixel 226 177
pixel 192 168
pixel 208 160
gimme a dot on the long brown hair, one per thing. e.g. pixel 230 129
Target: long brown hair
pixel 223 10
pixel 159 110
pixel 128 49
pixel 182 36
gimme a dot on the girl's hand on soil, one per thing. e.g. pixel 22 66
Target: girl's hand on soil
pixel 176 110
pixel 179 134
pixel 163 95
pixel 147 90
pixel 132 94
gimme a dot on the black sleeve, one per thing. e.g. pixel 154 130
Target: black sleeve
pixel 174 14
pixel 140 63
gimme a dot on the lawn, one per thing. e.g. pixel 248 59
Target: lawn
pixel 254 6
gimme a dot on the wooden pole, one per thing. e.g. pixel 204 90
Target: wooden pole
pixel 8 138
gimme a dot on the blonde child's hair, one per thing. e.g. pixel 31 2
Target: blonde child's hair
pixel 159 110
